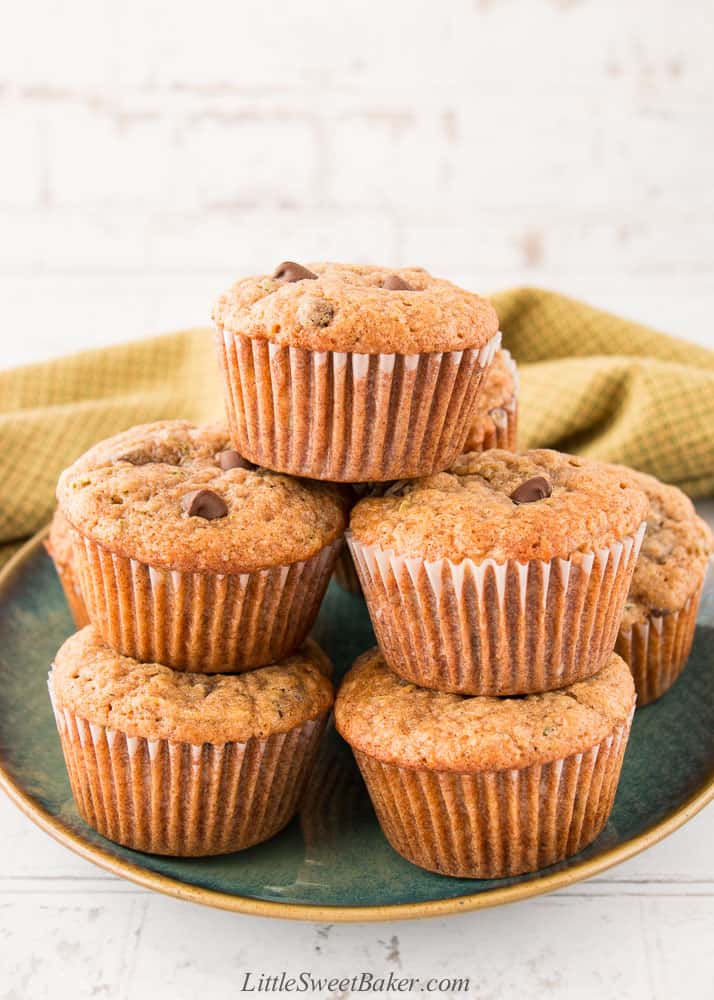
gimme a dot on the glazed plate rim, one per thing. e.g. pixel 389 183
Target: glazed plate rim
pixel 575 872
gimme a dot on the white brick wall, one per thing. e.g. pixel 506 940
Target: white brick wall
pixel 154 150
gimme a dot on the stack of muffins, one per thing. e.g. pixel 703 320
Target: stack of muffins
pixel 491 721
pixel 191 709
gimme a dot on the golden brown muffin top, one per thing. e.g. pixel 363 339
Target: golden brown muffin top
pixel 497 391
pixel 129 494
pixel 397 722
pixel 154 702
pixel 351 307
pixel 674 553
pixel 59 541
pixel 468 512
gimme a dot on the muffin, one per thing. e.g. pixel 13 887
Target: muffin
pixel 506 574
pixel 186 764
pixel 190 556
pixel 495 420
pixel 350 372
pixel 59 544
pixel 657 627
pixel 480 787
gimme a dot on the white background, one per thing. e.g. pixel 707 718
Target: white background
pixel 151 152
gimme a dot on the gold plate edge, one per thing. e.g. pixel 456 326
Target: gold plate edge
pixel 335 914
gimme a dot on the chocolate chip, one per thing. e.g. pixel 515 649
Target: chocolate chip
pixel 204 503
pixel 396 284
pixel 533 489
pixel 315 312
pixel 230 459
pixel 290 271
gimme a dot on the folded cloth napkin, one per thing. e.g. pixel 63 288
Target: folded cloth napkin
pixel 591 383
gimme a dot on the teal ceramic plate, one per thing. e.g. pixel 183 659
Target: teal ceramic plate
pixel 332 863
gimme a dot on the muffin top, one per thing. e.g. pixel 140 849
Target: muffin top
pixel 154 702
pixel 497 391
pixel 674 553
pixel 399 723
pixel 495 505
pixel 357 308
pixel 59 541
pixel 137 494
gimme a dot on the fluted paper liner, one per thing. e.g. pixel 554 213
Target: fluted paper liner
pixel 334 798
pixel 202 622
pixel 493 824
pixel 70 586
pixel 504 432
pixel 178 798
pixel 504 418
pixel 657 649
pixel 69 579
pixel 349 417
pixel 334 804
pixel 493 628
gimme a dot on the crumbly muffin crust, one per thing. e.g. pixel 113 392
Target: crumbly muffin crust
pixel 126 494
pixel 152 701
pixel 347 308
pixel 467 511
pixel 397 722
pixel 674 553
pixel 497 391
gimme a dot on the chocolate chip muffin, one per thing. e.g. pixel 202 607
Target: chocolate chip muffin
pixel 507 574
pixel 658 623
pixel 60 547
pixel 181 763
pixel 351 372
pixel 191 556
pixel 495 420
pixel 480 787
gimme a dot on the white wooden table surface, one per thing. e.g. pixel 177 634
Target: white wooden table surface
pixel 153 150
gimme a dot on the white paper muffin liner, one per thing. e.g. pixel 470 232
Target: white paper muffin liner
pixel 349 417
pixel 72 592
pixel 332 801
pixel 491 628
pixel 183 799
pixel 202 622
pixel 657 649
pixel 494 824
pixel 501 429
